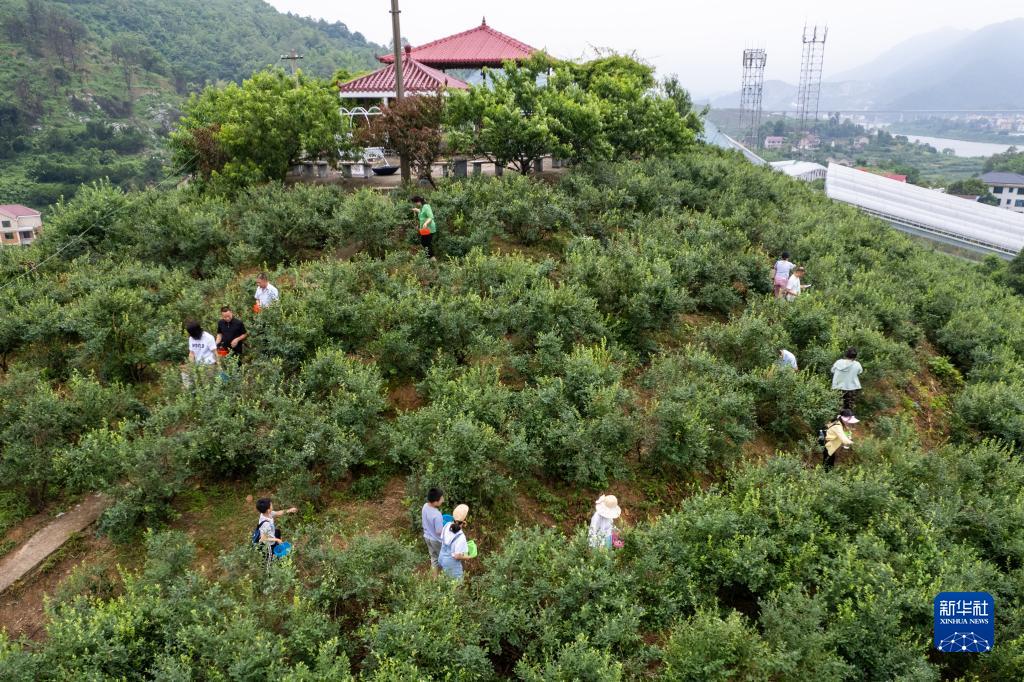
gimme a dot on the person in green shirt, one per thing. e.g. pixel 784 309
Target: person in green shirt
pixel 427 224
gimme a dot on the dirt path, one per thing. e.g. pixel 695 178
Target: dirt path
pixel 47 540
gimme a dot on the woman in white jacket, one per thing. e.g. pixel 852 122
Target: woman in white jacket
pixel 846 377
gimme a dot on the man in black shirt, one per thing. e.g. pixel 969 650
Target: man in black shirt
pixel 231 333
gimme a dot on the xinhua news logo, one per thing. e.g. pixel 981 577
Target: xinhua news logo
pixel 965 622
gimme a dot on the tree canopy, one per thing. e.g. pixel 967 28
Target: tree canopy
pixel 239 134
pixel 606 108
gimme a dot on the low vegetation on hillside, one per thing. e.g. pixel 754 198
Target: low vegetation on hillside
pixel 614 325
pixel 92 88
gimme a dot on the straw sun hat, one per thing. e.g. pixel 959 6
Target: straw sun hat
pixel 608 507
pixel 461 512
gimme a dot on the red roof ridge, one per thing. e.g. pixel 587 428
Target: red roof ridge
pixel 482 28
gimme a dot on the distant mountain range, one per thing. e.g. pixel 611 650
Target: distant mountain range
pixel 948 68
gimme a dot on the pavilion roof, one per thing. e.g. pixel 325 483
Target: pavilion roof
pixel 478 47
pixel 417 79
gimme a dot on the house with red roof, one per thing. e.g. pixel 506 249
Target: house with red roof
pixel 19 225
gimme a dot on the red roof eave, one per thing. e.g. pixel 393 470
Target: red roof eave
pixel 418 78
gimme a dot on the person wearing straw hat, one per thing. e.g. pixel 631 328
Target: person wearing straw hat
pixel 601 524
pixel 454 545
pixel 837 436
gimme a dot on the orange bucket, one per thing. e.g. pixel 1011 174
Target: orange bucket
pixel 222 352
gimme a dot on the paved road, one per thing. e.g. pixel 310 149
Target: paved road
pixel 49 539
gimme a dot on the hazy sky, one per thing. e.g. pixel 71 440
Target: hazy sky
pixel 700 40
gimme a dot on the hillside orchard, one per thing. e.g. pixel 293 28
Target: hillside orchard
pixel 612 328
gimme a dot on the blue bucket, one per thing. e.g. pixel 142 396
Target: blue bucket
pixel 447 518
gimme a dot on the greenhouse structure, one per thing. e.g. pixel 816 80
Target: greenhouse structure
pixel 928 212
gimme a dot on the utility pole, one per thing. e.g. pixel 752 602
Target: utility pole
pixel 293 57
pixel 396 31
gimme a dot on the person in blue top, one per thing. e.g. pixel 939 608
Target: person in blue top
pixel 454 545
pixel 433 524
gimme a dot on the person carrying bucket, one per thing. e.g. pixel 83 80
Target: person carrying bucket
pixel 266 293
pixel 231 333
pixel 267 532
pixel 455 548
pixel 602 526
pixel 428 227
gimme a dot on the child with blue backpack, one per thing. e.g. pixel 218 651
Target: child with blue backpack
pixel 266 532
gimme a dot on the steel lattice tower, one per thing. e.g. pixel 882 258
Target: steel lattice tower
pixel 810 75
pixel 751 93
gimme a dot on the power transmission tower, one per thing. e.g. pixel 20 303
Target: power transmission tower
pixel 751 94
pixel 810 75
pixel 292 57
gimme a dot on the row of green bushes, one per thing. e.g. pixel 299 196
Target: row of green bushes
pixel 783 574
pixel 585 348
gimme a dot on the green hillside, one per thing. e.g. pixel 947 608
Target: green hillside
pixel 609 331
pixel 95 86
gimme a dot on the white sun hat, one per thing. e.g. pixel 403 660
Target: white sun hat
pixel 608 507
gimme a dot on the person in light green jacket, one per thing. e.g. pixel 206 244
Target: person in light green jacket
pixel 428 226
pixel 846 373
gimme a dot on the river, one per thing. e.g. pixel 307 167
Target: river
pixel 963 147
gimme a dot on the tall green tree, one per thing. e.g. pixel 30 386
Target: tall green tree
pixel 1010 161
pixel 241 134
pixel 506 118
pixel 638 118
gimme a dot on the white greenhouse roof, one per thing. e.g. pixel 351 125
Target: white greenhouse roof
pixel 713 136
pixel 923 210
pixel 796 168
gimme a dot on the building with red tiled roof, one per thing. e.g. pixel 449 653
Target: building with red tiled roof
pixel 473 49
pixel 417 79
pixel 19 225
pixel 885 174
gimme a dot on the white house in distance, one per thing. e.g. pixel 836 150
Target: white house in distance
pixel 808 171
pixel 1008 188
pixel 19 225
pixel 774 142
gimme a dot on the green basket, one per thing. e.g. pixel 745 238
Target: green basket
pixel 470 549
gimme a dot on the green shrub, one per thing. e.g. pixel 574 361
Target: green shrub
pixel 707 647
pixel 542 590
pixel 37 419
pixel 991 409
pixel 433 632
pixel 370 219
pixel 575 661
pixel 370 573
pixel 632 282
pixel 700 414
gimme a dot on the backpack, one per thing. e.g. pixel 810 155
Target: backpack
pixel 821 436
pixel 256 533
